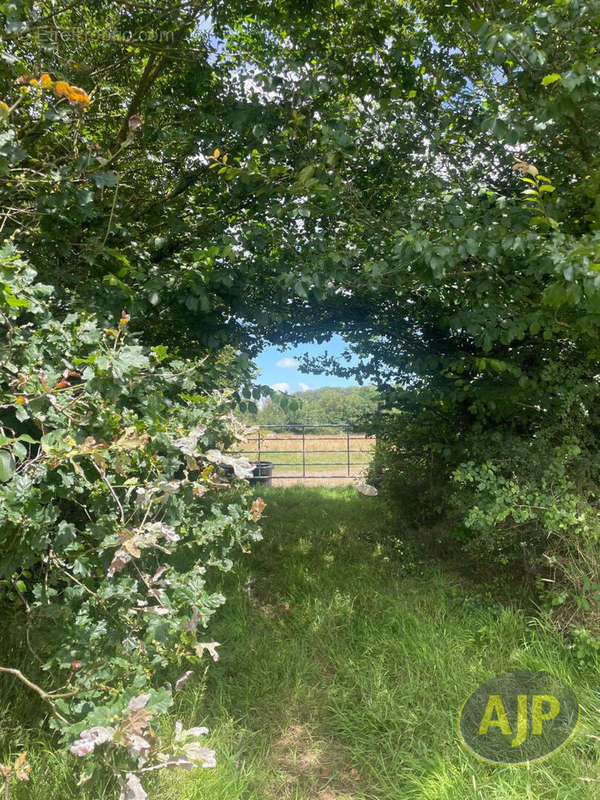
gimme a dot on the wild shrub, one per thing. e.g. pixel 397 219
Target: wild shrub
pixel 113 515
pixel 515 500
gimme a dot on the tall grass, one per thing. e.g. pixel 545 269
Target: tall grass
pixel 344 664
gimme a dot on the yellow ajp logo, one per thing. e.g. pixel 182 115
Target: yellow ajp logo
pixel 518 718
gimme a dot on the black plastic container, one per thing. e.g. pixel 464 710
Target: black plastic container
pixel 262 473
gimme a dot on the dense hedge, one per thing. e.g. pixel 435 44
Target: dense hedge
pixel 512 504
pixel 113 513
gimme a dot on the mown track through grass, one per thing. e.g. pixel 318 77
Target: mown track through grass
pixel 343 668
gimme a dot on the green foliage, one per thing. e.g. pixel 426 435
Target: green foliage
pixel 464 278
pixel 509 503
pixel 113 513
pixel 364 678
pixel 363 643
pixel 313 167
pixel 409 466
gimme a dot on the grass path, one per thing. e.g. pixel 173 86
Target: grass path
pixel 343 670
pixel 343 667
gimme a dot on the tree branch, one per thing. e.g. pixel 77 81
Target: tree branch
pixel 154 66
pixel 44 695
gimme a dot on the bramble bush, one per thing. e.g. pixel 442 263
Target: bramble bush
pixel 113 514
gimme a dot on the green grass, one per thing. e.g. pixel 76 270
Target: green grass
pixel 343 669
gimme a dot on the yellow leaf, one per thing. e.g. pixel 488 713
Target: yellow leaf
pixel 552 78
pixel 61 89
pixel 76 468
pixel 257 508
pixel 191 463
pixel 129 440
pixel 77 95
pixel 22 768
pixel 217 153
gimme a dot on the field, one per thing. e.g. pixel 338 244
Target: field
pixel 325 460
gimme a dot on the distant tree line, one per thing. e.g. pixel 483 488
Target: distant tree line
pixel 329 405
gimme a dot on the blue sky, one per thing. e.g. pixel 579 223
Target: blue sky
pixel 280 369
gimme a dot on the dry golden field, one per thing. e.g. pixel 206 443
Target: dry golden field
pixel 326 461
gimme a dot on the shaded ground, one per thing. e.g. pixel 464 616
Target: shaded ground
pixel 343 667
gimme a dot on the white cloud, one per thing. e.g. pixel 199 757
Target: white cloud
pixel 304 387
pixel 287 363
pixel 281 387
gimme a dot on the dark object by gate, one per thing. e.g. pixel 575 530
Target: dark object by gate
pixel 262 474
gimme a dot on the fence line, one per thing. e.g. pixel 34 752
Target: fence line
pixel 265 449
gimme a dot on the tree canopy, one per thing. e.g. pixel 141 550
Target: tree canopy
pixel 184 182
pixel 286 170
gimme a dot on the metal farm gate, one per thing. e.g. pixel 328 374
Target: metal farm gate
pixel 310 452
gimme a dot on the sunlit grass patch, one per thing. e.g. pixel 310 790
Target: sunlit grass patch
pixel 375 657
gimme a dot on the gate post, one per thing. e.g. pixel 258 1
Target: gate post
pixel 348 447
pixel 303 452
